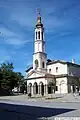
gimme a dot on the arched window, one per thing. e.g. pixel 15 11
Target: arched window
pixel 36 64
pixel 56 69
pixel 56 88
pixel 39 35
pixel 36 35
pixel 42 35
pixel 49 70
pixel 43 64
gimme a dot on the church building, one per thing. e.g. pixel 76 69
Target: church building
pixel 47 76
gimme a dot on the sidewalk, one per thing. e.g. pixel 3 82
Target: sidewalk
pixel 54 98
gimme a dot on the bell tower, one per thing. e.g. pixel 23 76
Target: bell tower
pixel 39 56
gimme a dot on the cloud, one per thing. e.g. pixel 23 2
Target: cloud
pixel 12 38
pixel 15 42
pixel 4 55
pixel 23 15
pixel 6 32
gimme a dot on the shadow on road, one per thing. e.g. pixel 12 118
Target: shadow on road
pixel 21 112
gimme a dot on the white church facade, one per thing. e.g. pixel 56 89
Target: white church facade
pixel 50 76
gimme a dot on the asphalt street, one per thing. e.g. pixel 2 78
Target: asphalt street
pixel 36 109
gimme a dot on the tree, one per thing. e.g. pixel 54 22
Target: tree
pixel 1 76
pixel 7 66
pixel 8 78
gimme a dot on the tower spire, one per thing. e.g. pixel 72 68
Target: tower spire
pixel 38 10
pixel 39 17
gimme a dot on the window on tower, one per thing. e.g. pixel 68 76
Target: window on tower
pixel 36 64
pixel 42 35
pixel 39 35
pixel 36 35
pixel 43 64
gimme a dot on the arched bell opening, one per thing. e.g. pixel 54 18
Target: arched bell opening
pixel 36 64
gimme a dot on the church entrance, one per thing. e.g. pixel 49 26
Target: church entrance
pixel 49 90
pixel 50 87
pixel 35 88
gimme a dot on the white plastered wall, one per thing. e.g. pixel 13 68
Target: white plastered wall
pixel 62 68
pixel 62 85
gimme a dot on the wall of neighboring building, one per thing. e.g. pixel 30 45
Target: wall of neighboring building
pixel 73 70
pixel 73 83
pixel 57 68
pixel 61 84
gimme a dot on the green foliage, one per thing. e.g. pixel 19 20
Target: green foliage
pixel 8 78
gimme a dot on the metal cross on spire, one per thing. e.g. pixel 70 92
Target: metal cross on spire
pixel 38 16
pixel 38 11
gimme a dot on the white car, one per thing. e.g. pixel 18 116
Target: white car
pixel 15 89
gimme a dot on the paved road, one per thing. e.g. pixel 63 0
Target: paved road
pixel 35 109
